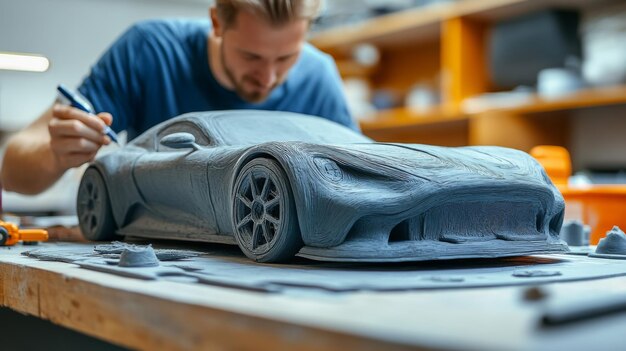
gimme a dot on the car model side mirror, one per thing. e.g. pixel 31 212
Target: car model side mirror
pixel 180 140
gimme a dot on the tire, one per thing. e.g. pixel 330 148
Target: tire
pixel 93 206
pixel 4 236
pixel 264 217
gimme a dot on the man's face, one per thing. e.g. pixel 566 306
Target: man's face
pixel 257 57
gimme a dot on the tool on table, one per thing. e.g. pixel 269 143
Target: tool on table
pixel 10 234
pixel 74 99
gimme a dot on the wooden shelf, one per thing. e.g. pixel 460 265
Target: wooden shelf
pixel 423 23
pixel 404 117
pixel 593 97
pixel 491 125
pixel 349 68
pixel 398 27
pixel 436 126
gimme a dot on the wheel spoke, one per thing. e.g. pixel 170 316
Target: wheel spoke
pixel 266 233
pixel 271 203
pixel 266 188
pixel 245 220
pixel 255 235
pixel 253 189
pixel 245 201
pixel 92 222
pixel 272 220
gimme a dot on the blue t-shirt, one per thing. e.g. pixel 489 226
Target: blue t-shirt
pixel 159 69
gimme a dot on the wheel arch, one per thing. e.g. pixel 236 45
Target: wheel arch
pixel 124 194
pixel 264 152
pixel 103 175
pixel 104 172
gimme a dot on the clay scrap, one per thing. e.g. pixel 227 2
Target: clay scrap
pixel 613 245
pixel 116 248
pixel 576 235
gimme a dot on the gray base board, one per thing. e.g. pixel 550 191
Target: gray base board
pixel 427 250
pixel 226 266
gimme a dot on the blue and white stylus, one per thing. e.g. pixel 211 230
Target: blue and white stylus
pixel 74 99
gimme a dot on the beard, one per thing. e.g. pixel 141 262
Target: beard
pixel 252 96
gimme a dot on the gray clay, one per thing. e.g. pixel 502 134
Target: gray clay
pixel 279 184
pixel 138 256
pixel 444 279
pixel 573 233
pixel 587 233
pixel 613 245
pixel 576 235
pixel 115 249
pixel 226 267
pixel 535 274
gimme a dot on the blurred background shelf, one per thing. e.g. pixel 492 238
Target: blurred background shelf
pixel 443 49
pixel 401 27
pixel 423 23
pixel 435 126
pixel 587 98
pixel 536 121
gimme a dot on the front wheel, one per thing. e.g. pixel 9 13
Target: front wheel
pixel 93 207
pixel 264 213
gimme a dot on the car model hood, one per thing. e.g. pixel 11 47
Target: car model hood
pixel 428 162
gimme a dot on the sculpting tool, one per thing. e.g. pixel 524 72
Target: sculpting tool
pixel 74 99
pixel 10 234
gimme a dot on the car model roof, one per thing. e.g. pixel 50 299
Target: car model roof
pixel 242 127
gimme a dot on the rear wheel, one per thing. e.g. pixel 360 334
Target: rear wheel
pixel 264 212
pixel 93 206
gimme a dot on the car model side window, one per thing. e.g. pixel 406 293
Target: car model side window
pixel 201 138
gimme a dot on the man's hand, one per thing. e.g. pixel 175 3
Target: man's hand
pixel 76 136
pixel 61 138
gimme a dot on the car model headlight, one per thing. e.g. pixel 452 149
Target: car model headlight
pixel 329 169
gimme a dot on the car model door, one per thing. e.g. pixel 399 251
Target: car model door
pixel 173 182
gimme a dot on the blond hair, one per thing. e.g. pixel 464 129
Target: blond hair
pixel 277 12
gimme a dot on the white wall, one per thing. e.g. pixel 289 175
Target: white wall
pixel 72 34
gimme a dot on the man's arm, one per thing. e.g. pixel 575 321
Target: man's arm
pixel 61 138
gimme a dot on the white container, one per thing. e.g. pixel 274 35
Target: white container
pixel 557 82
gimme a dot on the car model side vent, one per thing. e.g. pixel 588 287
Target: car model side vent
pixel 400 232
pixel 539 222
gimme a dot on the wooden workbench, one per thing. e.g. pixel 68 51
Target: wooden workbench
pixel 168 315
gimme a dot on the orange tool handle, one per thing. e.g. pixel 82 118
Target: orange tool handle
pixel 10 234
pixel 33 234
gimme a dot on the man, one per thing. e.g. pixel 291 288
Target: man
pixel 254 56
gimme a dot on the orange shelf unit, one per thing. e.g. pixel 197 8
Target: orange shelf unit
pixel 444 46
pixel 491 124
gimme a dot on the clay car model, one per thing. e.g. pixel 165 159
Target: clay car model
pixel 280 184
